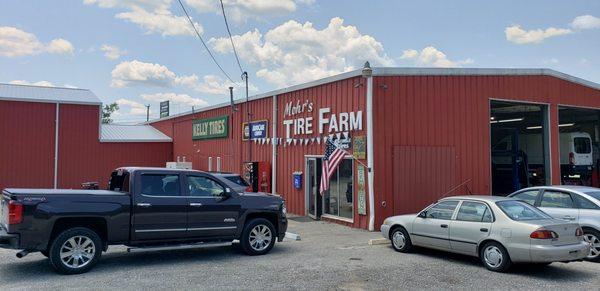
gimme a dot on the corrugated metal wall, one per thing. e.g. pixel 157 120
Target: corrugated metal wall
pixel 452 111
pixel 27 147
pixel 82 157
pixel 341 96
pixel 26 144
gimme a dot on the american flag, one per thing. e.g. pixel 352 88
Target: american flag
pixel 332 158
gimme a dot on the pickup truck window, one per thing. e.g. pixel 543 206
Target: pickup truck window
pixel 119 181
pixel 160 185
pixel 204 187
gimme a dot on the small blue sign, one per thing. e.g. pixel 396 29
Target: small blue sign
pixel 298 180
pixel 257 129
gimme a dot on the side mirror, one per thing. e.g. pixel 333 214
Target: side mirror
pixel 423 214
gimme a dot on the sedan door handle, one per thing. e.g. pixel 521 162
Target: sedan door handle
pixel 483 229
pixel 444 226
pixel 194 204
pixel 569 217
pixel 144 205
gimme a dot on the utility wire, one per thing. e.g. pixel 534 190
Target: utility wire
pixel 203 43
pixel 231 38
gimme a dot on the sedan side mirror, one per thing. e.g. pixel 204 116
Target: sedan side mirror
pixel 423 214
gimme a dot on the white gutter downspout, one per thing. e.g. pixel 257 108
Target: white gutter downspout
pixel 56 120
pixel 367 73
pixel 274 145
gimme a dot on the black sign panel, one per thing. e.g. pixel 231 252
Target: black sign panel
pixel 164 109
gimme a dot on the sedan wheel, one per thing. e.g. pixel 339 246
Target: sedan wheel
pixel 400 240
pixel 594 242
pixel 493 256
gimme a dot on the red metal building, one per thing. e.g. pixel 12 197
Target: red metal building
pixel 52 137
pixel 424 132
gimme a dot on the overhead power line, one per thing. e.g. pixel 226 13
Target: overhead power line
pixel 231 38
pixel 204 43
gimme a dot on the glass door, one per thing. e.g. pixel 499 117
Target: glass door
pixel 312 188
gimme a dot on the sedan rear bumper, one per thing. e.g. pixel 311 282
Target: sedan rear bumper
pixel 566 253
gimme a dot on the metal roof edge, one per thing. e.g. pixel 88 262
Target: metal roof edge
pixel 50 101
pixel 135 140
pixel 400 71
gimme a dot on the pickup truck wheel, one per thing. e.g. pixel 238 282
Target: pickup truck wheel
pixel 258 237
pixel 75 251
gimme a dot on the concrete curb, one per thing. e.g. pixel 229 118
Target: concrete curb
pixel 292 236
pixel 379 241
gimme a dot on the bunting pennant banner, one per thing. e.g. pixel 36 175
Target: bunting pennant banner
pixel 338 135
pixel 318 140
pixel 345 133
pixel 325 139
pixel 289 141
pixel 295 141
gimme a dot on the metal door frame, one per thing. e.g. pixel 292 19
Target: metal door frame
pixel 307 160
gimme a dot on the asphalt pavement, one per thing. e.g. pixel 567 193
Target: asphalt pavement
pixel 328 256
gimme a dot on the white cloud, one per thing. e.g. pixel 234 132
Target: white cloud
pixel 133 73
pixel 432 57
pixel 39 83
pixel 17 43
pixel 294 53
pixel 130 107
pixel 153 16
pixel 139 73
pixel 518 35
pixel 182 99
pixel 60 46
pixel 585 22
pixel 112 52
pixel 241 10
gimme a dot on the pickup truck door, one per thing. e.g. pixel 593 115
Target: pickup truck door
pixel 212 211
pixel 159 208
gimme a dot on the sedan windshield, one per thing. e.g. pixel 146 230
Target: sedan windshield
pixel 519 210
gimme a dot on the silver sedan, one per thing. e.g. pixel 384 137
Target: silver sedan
pixel 499 230
pixel 575 203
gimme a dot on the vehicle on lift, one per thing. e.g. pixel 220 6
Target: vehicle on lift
pixel 574 203
pixel 526 155
pixel 499 230
pixel 235 181
pixel 144 209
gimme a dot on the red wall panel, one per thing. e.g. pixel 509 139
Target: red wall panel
pixel 26 144
pixel 82 157
pixel 452 111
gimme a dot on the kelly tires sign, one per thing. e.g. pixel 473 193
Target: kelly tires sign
pixel 217 127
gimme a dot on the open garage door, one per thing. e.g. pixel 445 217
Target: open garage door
pixel 519 146
pixel 579 142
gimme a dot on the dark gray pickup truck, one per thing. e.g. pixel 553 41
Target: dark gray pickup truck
pixel 144 209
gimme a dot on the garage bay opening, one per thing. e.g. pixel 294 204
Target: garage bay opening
pixel 519 146
pixel 578 150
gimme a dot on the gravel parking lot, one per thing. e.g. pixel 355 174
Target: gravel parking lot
pixel 329 256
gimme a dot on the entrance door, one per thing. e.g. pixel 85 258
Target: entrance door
pixel 313 172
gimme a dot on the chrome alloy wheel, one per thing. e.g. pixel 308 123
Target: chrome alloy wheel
pixel 260 237
pixel 77 252
pixel 493 256
pixel 594 245
pixel 399 240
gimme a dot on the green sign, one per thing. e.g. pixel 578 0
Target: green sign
pixel 359 151
pixel 362 201
pixel 217 127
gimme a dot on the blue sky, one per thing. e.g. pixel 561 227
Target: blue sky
pixel 138 52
